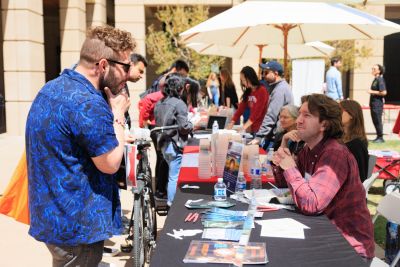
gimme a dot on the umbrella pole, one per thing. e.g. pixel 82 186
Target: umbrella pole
pixel 285 28
pixel 260 49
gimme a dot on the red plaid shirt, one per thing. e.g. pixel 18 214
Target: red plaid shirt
pixel 326 180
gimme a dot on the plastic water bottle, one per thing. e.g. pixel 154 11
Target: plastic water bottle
pixel 215 127
pixel 220 190
pixel 255 173
pixel 240 184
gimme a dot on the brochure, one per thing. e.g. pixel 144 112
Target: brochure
pixel 225 252
pixel 232 164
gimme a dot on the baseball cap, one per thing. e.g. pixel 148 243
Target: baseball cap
pixel 272 65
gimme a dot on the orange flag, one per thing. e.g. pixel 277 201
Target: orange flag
pixel 14 202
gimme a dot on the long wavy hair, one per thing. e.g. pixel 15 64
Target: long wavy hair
pixel 327 110
pixel 356 128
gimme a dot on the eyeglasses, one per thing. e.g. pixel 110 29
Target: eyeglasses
pixel 125 66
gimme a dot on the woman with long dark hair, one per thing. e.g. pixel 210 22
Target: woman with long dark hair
pixel 255 97
pixel 354 134
pixel 228 95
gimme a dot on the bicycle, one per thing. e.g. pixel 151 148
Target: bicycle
pixel 143 218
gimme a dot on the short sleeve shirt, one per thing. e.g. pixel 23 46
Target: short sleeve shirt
pixel 378 84
pixel 71 202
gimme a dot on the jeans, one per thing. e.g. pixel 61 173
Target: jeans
pixel 174 160
pixel 84 255
pixel 215 95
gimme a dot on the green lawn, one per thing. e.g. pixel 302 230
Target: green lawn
pixel 376 193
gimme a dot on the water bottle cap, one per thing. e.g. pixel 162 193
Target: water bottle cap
pixel 255 171
pixel 220 180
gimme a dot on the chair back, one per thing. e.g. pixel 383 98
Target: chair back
pixel 369 182
pixel 388 207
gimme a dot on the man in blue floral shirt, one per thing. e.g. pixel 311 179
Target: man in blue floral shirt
pixel 74 145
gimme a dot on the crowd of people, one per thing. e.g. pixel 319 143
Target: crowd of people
pixel 75 138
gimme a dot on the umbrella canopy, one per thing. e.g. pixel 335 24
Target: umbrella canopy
pixel 355 2
pixel 312 49
pixel 278 22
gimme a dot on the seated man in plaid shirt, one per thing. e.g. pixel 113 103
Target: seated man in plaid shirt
pixel 323 177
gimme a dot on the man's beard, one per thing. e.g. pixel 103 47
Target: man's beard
pixel 109 81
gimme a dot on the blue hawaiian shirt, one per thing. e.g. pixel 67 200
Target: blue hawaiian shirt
pixel 70 201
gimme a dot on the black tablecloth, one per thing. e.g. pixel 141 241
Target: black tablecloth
pixel 323 244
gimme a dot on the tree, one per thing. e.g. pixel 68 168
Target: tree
pixel 348 52
pixel 165 45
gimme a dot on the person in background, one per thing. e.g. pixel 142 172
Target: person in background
pixel 179 66
pixel 228 93
pixel 74 145
pixel 169 111
pixel 324 177
pixel 334 80
pixel 191 93
pixel 255 97
pixel 287 118
pixel 138 65
pixel 213 88
pixel 280 95
pixel 377 100
pixel 354 134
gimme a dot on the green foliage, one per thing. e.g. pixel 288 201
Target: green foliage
pixel 165 45
pixel 348 52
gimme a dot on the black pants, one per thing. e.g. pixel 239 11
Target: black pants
pixel 376 115
pixel 162 168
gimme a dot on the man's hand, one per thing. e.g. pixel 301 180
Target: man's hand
pixel 283 159
pixel 119 103
pixel 230 125
pixel 292 135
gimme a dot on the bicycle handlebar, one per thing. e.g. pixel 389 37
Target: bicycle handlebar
pixel 162 128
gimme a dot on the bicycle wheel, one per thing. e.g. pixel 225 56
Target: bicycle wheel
pixel 150 224
pixel 138 233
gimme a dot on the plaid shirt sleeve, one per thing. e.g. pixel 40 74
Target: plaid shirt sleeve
pixel 314 193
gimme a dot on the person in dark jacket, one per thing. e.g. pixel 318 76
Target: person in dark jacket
pixel 354 134
pixel 171 110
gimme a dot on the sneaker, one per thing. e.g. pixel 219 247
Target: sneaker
pixel 110 252
pixel 160 196
pixel 378 140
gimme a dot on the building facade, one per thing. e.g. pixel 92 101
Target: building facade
pixel 41 37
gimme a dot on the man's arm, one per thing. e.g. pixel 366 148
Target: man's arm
pixel 313 193
pixel 110 161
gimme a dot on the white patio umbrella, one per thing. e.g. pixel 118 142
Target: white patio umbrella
pixel 355 2
pixel 311 49
pixel 276 22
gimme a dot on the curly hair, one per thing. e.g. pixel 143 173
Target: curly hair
pixel 327 110
pixel 105 42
